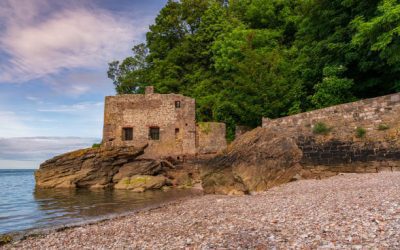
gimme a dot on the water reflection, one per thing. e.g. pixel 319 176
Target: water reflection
pixel 66 206
pixel 22 207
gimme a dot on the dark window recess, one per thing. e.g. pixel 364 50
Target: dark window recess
pixel 154 133
pixel 127 134
pixel 177 131
pixel 177 104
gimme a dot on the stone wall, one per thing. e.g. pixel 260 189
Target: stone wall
pixel 210 137
pixel 341 145
pixel 144 111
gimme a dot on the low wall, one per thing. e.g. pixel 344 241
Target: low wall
pixel 363 134
pixel 210 137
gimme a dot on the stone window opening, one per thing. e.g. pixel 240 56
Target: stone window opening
pixel 127 134
pixel 154 133
pixel 177 104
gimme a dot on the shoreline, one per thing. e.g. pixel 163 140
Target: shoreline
pixel 18 236
pixel 348 210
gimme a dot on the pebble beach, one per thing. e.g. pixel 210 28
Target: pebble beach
pixel 359 211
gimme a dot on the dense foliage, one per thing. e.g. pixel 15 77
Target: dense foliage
pixel 245 59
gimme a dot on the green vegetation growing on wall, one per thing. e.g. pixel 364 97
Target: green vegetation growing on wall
pixel 383 127
pixel 321 128
pixel 360 132
pixel 244 59
pixel 204 127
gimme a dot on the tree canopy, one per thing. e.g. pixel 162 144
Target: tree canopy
pixel 245 59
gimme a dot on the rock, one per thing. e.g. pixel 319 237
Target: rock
pixel 86 168
pixel 258 160
pixel 143 167
pixel 111 167
pixel 106 167
pixel 141 183
pixel 220 180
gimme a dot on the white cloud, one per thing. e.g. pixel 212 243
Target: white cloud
pixel 40 44
pixel 75 84
pixel 74 108
pixel 39 149
pixel 12 125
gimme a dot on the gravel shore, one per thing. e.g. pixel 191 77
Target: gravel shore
pixel 347 211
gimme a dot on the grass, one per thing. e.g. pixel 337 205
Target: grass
pixel 96 145
pixel 383 127
pixel 321 128
pixel 360 132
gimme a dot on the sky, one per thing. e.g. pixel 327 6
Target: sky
pixel 53 71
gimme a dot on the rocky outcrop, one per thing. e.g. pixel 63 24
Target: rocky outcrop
pixel 106 167
pixel 256 161
pixel 141 183
pixel 266 157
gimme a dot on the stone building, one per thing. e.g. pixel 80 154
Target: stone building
pixel 166 122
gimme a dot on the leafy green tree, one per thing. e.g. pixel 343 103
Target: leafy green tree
pixel 244 59
pixel 333 89
pixel 381 34
pixel 130 75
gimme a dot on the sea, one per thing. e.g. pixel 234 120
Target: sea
pixel 25 209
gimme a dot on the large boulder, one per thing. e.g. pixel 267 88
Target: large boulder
pixel 258 160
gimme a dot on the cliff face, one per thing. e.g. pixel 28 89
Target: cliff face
pixel 109 167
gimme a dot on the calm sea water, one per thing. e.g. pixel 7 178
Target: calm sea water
pixel 23 208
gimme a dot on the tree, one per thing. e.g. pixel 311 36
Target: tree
pixel 333 89
pixel 244 59
pixel 130 76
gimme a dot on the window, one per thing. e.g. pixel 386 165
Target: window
pixel 154 133
pixel 127 134
pixel 177 104
pixel 176 132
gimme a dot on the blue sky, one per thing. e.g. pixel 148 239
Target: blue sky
pixel 53 64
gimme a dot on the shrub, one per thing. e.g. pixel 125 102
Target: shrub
pixel 383 126
pixel 360 132
pixel 96 145
pixel 321 128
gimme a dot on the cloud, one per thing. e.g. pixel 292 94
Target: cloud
pixel 12 125
pixel 74 108
pixel 75 84
pixel 42 39
pixel 40 148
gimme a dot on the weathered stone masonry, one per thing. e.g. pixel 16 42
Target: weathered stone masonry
pixel 378 149
pixel 166 122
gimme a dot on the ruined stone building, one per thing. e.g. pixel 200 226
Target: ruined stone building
pixel 166 122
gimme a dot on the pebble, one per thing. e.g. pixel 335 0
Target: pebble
pixel 306 214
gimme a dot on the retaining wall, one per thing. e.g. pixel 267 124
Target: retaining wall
pixel 342 145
